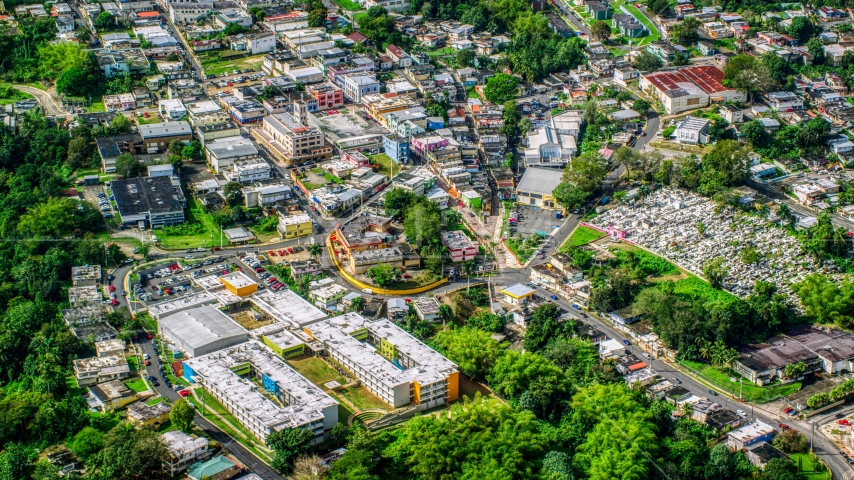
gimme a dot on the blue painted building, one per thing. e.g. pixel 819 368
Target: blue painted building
pixel 435 123
pixel 397 148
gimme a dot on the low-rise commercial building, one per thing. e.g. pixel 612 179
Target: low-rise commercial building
pixel 201 330
pixel 460 246
pixel 109 396
pixel 156 137
pixel 183 450
pixel 223 152
pixel 154 200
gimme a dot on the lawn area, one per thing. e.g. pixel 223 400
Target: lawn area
pixel 200 223
pixel 73 388
pixel 14 97
pixel 133 363
pixel 749 392
pixel 155 401
pixel 418 280
pixel 315 369
pixel 694 287
pixel 216 63
pixel 386 165
pixel 523 249
pixel 348 5
pixel 582 236
pixel 137 385
pixel 654 34
pixel 363 399
pixel 807 465
pixel 148 120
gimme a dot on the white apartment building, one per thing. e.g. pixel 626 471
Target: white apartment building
pixel 222 153
pixel 226 375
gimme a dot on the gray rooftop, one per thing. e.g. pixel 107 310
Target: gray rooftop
pixel 539 180
pixel 166 129
pixel 201 326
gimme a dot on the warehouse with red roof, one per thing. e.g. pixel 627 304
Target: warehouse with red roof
pixel 688 88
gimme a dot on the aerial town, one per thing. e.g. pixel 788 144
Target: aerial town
pixel 411 239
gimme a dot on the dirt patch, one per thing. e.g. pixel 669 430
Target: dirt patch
pixel 251 320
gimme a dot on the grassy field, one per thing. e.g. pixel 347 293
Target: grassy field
pixel 137 385
pixel 386 165
pixel 807 466
pixel 196 214
pixel 694 287
pixel 217 63
pixel 155 401
pixel 73 388
pixel 316 370
pixel 348 5
pixel 582 236
pixel 654 33
pixel 146 121
pixel 749 392
pixel 14 97
pixel 133 363
pixel 363 399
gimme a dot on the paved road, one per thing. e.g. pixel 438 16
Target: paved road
pixel 244 456
pixel 44 98
pixel 774 193
pixel 652 122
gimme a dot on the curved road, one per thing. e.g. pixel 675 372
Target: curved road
pixel 44 98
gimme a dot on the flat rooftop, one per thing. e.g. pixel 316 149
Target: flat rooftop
pixel 85 272
pixel 141 195
pixel 182 303
pixel 431 366
pixel 237 280
pixel 200 326
pixel 107 365
pixel 751 431
pixel 85 294
pixel 307 400
pixel 287 307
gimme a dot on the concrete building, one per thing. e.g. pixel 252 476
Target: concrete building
pixel 294 224
pixel 225 375
pixel 692 131
pixel 200 330
pixel 266 195
pixel 152 200
pixel 223 152
pixel 397 148
pixel 536 187
pixel 109 396
pixel 239 284
pixel 426 308
pixel 173 109
pixel 183 450
pixel 393 365
pixel 148 415
pixel 90 371
pixel 358 85
pixel 157 136
pixel 750 434
pixel 85 275
pixel 689 88
pixel 109 348
pixel 290 140
pixel 555 143
pixel 248 171
pixel 460 246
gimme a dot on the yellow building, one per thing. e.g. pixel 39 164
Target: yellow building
pixel 294 224
pixel 518 294
pixel 378 104
pixel 149 415
pixel 239 284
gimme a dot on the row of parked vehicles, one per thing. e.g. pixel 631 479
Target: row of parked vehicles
pixel 286 251
pixel 254 263
pixel 104 203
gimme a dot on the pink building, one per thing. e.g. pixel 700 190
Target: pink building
pixel 426 144
pixel 617 233
pixel 356 157
pixel 460 246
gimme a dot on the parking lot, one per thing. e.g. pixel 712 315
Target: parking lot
pixel 535 220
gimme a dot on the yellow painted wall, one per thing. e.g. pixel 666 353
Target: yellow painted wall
pixel 453 386
pixel 417 393
pixel 242 291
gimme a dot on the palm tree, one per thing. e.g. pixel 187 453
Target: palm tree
pixel 763 211
pixel 705 348
pixel 445 313
pixel 730 355
pixel 315 250
pixel 784 213
pixel 644 191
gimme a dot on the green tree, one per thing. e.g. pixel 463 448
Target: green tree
pixel 610 449
pixel 87 442
pixel 827 301
pixel 288 444
pixel 182 415
pixel 754 132
pixel 545 325
pixel 748 74
pixel 486 321
pixel 641 106
pixel 647 62
pixel 715 271
pixel 127 166
pixel 530 379
pixel 397 201
pixel 801 29
pixel 382 274
pixel 483 438
pixel 465 58
pixel 14 464
pixel 600 30
pixel 686 31
pixel 315 250
pixel 105 21
pixel 233 192
pixel 233 29
pixel 570 196
pixel 472 349
pixel 586 171
pixel 129 453
pixel 422 224
pixel 814 131
pixel 317 17
pixel 791 441
pixel 52 218
pixel 501 87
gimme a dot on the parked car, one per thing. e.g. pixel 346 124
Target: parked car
pixel 627 343
pixel 712 392
pixel 184 393
pixel 740 413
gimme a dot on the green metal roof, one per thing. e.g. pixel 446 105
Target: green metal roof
pixel 203 470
